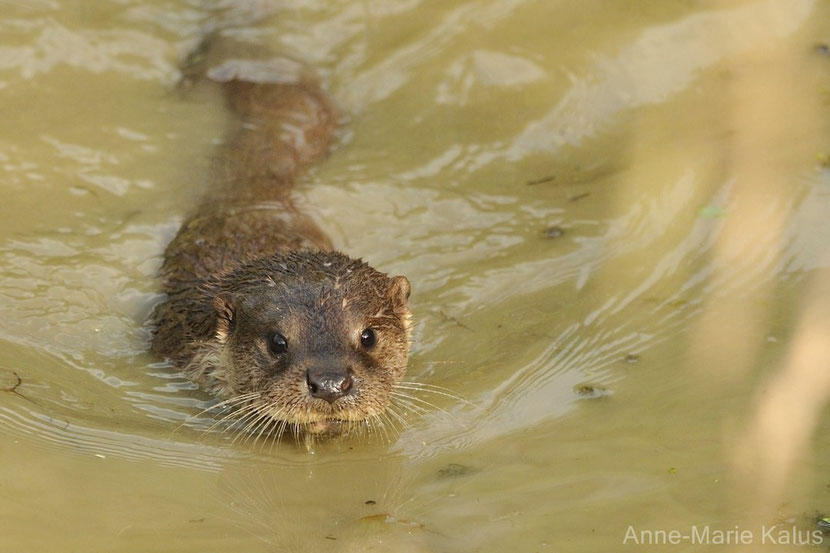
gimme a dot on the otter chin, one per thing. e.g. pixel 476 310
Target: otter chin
pixel 259 309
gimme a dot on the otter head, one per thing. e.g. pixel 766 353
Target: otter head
pixel 312 342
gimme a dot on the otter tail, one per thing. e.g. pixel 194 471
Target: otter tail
pixel 284 120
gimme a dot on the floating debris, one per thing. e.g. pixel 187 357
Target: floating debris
pixel 542 180
pixel 553 232
pixel 386 518
pixel 454 470
pixel 591 391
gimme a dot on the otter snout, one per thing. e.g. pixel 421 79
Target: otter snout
pixel 328 384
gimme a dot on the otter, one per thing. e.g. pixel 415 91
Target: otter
pixel 260 310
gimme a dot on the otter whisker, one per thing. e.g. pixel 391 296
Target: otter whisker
pixel 402 395
pixel 410 406
pixel 228 403
pixel 280 428
pixel 245 422
pixel 252 414
pixel 348 427
pixel 407 401
pixel 264 426
pixel 274 435
pixel 436 390
pixel 265 431
pixel 275 417
pixel 239 414
pixel 308 441
pixel 431 388
pixel 382 427
pixel 396 432
pixel 374 426
pixel 424 385
pixel 261 416
pixel 222 406
pixel 393 420
pixel 261 419
pixel 360 428
pixel 390 422
pixel 295 427
pixel 412 398
pixel 248 400
pixel 393 413
pixel 364 428
pixel 239 425
pixel 233 416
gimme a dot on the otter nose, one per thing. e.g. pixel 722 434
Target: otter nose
pixel 328 384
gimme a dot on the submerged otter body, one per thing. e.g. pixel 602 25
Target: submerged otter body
pixel 260 310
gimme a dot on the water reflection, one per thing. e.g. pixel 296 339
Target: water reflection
pixel 308 504
pixel 663 61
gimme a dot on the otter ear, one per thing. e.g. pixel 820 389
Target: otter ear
pixel 225 318
pixel 399 292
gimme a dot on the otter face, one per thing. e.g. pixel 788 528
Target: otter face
pixel 314 341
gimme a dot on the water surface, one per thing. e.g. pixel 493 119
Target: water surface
pixel 614 217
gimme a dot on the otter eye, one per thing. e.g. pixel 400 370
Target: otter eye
pixel 368 338
pixel 277 343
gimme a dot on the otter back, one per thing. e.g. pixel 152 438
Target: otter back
pixel 258 309
pixel 283 121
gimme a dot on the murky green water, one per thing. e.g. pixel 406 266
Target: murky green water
pixel 615 220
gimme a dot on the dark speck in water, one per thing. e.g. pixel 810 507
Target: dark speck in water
pixel 632 358
pixel 541 180
pixel 553 232
pixel 370 502
pixel 591 391
pixel 448 318
pixel 454 470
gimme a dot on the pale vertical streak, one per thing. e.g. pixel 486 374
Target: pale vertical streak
pixel 768 109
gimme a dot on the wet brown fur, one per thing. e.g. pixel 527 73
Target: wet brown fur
pixel 247 263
